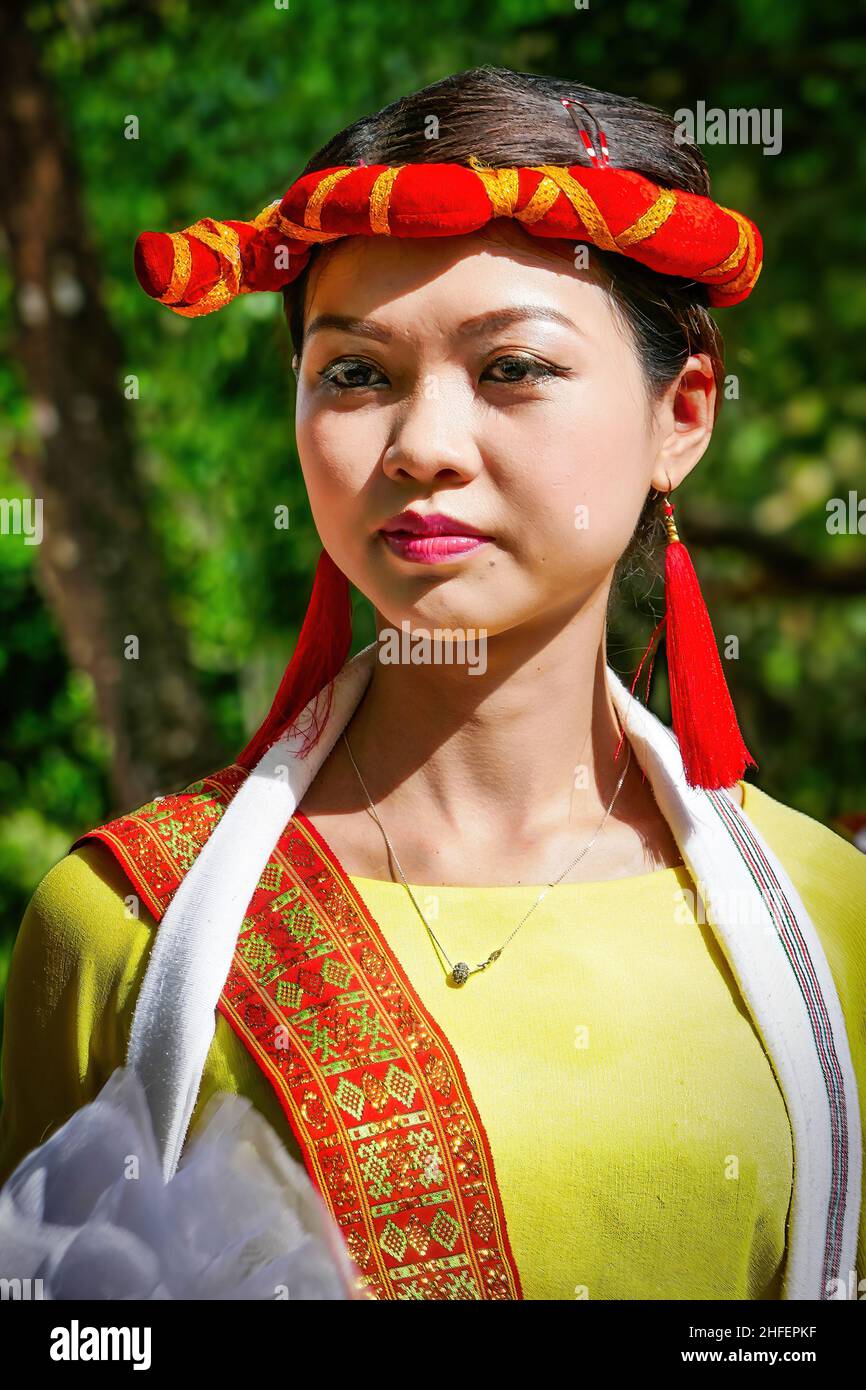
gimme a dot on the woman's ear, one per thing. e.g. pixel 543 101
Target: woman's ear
pixel 684 420
pixel 296 364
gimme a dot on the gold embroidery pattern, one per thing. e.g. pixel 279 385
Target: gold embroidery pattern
pixel 540 203
pixel 180 270
pixel 311 231
pixel 373 1092
pixel 225 241
pixel 380 201
pixel 649 222
pixel 313 210
pixel 372 1089
pixel 269 215
pixel 502 186
pixel 583 203
pixel 156 844
pixel 752 268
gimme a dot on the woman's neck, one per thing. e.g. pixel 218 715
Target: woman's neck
pixel 496 778
pixel 521 747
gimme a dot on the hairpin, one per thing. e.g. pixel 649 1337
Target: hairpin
pixel 604 162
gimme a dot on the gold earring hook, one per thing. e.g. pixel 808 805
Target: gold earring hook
pixel 659 493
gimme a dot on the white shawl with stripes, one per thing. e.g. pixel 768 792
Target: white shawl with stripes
pixel 762 926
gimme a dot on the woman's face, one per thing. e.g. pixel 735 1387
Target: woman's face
pixel 536 430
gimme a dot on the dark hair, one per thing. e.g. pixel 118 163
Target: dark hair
pixel 509 118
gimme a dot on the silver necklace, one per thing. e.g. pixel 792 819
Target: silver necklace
pixel 461 971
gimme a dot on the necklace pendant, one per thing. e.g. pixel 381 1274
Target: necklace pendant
pixel 460 973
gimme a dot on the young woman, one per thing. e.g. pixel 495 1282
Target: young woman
pixel 477 957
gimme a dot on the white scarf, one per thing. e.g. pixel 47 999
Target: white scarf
pixel 761 924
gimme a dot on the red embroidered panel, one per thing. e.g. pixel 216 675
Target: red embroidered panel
pixel 156 844
pixel 370 1085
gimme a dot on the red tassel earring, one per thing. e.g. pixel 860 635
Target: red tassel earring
pixel 705 723
pixel 321 651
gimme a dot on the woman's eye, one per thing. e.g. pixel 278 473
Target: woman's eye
pixel 352 373
pixel 528 369
pixel 347 367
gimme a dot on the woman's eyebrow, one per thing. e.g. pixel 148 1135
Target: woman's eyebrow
pixel 504 318
pixel 490 322
pixel 345 323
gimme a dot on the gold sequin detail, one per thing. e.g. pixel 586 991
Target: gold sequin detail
pixel 268 216
pixel 313 210
pixel 180 271
pixel 225 241
pixel 737 254
pixel 299 233
pixel 380 200
pixel 311 231
pixel 540 203
pixel 501 185
pixel 649 221
pixel 752 269
pixel 215 298
pixel 583 203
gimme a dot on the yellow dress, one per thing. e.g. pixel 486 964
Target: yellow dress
pixel 641 1143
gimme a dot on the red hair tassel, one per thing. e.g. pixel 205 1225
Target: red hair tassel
pixel 714 754
pixel 321 651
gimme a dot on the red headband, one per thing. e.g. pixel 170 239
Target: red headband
pixel 203 267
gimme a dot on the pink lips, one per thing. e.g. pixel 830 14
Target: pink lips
pixel 432 538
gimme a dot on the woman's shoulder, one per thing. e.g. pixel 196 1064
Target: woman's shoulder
pixel 76 968
pixel 110 889
pixel 828 871
pixel 85 906
pixel 816 842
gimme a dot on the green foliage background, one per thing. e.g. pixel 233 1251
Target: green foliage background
pixel 232 99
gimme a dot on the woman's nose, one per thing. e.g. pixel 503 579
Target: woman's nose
pixel 431 439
